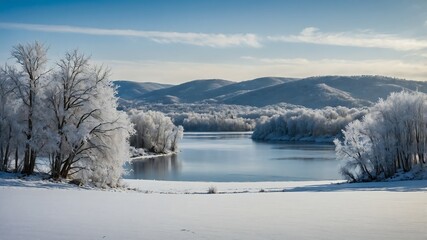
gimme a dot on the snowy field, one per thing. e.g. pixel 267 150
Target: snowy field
pixel 183 210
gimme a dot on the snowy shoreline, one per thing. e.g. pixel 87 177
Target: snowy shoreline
pixel 152 155
pixel 297 139
pixel 305 210
pixel 181 187
pixel 10 180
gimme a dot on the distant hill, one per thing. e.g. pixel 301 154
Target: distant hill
pixel 129 90
pixel 313 92
pixel 187 92
pixel 231 90
pixel 317 92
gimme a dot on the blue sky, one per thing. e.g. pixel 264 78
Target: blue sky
pixel 177 41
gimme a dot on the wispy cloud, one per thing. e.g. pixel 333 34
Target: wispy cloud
pixel 199 39
pixel 366 38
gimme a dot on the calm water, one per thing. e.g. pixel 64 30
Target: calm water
pixel 235 157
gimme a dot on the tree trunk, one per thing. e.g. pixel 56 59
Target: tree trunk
pixel 27 156
pixel 56 166
pixel 67 166
pixel 6 156
pixel 32 161
pixel 1 157
pixel 16 159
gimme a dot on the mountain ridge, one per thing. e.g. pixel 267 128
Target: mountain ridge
pixel 313 92
pixel 134 89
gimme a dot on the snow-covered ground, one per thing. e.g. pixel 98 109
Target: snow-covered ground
pixel 162 210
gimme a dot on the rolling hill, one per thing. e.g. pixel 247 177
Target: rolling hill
pixel 317 92
pixel 187 92
pixel 313 92
pixel 231 90
pixel 129 90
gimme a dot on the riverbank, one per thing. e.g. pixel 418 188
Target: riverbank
pixel 141 153
pixel 40 209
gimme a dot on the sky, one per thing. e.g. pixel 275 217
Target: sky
pixel 183 40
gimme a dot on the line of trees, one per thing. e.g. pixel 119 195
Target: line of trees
pixel 199 117
pixel 392 137
pixel 67 113
pixel 203 122
pixel 306 124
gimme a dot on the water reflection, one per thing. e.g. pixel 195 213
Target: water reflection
pixel 304 147
pixel 159 168
pixel 235 157
pixel 217 135
pixel 303 158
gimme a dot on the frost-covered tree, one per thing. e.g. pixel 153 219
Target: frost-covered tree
pixel 154 131
pixel 355 145
pixel 177 134
pixel 392 137
pixel 306 124
pixel 107 147
pixel 68 114
pixel 10 130
pixel 90 136
pixel 32 60
pixel 68 98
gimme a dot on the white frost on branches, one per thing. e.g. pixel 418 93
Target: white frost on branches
pixel 67 114
pixel 391 138
pixel 306 124
pixel 154 132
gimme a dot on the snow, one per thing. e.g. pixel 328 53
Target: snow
pixel 305 210
pixel 183 187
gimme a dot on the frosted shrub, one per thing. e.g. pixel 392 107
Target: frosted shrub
pixel 212 190
pixel 155 132
pixel 391 138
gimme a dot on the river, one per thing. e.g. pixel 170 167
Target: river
pixel 235 157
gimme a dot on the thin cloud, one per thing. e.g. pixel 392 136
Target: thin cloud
pixel 366 39
pixel 199 39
